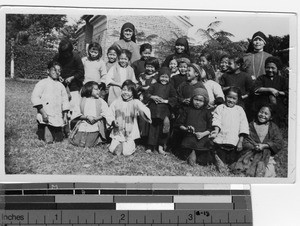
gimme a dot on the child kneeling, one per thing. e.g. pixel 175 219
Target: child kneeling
pixel 125 110
pixel 195 122
pixel 90 130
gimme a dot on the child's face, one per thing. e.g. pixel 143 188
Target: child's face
pixel 192 74
pixel 164 79
pixel 271 69
pixel 112 56
pixel 258 44
pixel 146 54
pixel 94 52
pixel 179 48
pixel 54 72
pixel 126 93
pixel 224 64
pixel 123 60
pixel 95 92
pixel 203 61
pixel 183 68
pixel 127 34
pixel 232 66
pixel 264 115
pixel 149 69
pixel 173 66
pixel 231 99
pixel 198 101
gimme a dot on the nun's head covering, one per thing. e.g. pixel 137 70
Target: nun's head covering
pixel 128 26
pixel 183 42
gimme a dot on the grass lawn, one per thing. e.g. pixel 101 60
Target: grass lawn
pixel 25 154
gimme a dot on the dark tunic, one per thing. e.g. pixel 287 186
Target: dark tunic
pixel 186 90
pixel 166 92
pixel 241 80
pixel 201 120
pixel 176 80
pixel 138 67
pixel 281 107
pixel 72 66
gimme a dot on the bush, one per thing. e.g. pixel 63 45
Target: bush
pixel 30 61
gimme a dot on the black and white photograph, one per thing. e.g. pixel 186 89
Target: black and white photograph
pixel 170 95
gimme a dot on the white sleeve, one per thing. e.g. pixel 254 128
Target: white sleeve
pixel 244 125
pixel 103 71
pixel 107 113
pixel 217 90
pixel 143 110
pixel 109 76
pixel 217 117
pixel 36 96
pixel 65 99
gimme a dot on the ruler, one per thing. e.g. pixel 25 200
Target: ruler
pixel 125 204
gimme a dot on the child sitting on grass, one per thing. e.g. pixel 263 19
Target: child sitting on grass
pixel 125 110
pixel 264 141
pixel 50 99
pixel 90 130
pixel 195 122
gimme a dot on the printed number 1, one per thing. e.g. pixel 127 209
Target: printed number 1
pixel 56 217
pixel 190 218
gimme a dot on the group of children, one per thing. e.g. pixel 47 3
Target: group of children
pixel 182 107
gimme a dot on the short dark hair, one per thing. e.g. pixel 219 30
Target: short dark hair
pixel 236 90
pixel 207 55
pixel 144 47
pixel 126 52
pixel 87 89
pixel 65 45
pixel 95 45
pixel 114 48
pixel 271 107
pixel 153 61
pixel 131 86
pixel 52 64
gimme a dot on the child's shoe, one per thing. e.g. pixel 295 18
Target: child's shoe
pixel 221 167
pixel 192 159
pixel 148 151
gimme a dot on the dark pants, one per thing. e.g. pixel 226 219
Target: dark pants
pixel 156 135
pixel 50 133
pixel 227 153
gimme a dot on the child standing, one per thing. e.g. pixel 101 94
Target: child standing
pixel 50 99
pixel 264 141
pixel 125 110
pixel 215 93
pixel 176 80
pixel 162 96
pixel 205 60
pixel 185 90
pixel 94 66
pixel 223 67
pixel 195 122
pixel 112 56
pixel 90 130
pixel 230 127
pixel 139 65
pixel 118 74
pixel 272 88
pixel 236 77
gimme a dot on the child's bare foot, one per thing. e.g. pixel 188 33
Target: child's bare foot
pixel 148 151
pixel 118 150
pixel 192 158
pixel 161 150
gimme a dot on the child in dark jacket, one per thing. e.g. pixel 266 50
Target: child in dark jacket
pixel 139 65
pixel 162 96
pixel 196 124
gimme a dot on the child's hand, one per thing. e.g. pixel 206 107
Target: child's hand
pixel 186 101
pixel 156 99
pixel 199 135
pixel 191 129
pixel 213 134
pixel 239 146
pixel 69 80
pixel 275 92
pixel 90 119
pixel 259 147
pixel 45 118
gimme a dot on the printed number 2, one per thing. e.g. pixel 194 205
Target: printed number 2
pixel 190 217
pixel 122 217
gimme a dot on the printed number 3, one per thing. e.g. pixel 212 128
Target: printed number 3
pixel 190 218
